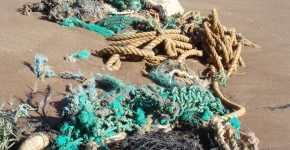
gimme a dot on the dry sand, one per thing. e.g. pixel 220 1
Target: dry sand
pixel 265 81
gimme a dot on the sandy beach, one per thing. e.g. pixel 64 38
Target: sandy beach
pixel 263 83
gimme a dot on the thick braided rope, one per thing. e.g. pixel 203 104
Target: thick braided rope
pixel 155 42
pixel 158 58
pixel 138 35
pixel 151 64
pixel 124 50
pixel 188 26
pixel 182 79
pixel 224 49
pixel 170 48
pixel 216 57
pixel 114 62
pixel 235 61
pixel 208 34
pixel 240 110
pixel 140 42
pixel 180 51
pixel 117 65
pixel 233 143
pixel 216 122
pixel 192 52
pixel 183 45
pixel 112 59
pixel 211 59
pixel 129 41
pixel 234 41
pixel 228 45
pixel 214 21
pixel 178 37
pixel 221 30
pixel 216 25
pixel 161 38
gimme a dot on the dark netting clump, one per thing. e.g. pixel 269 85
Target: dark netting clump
pixel 173 140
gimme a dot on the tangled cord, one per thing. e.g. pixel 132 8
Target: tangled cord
pixel 160 140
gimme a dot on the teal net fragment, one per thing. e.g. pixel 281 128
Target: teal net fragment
pixel 117 23
pixel 40 69
pixel 81 54
pixel 70 22
pixel 162 79
pixel 126 4
pixel 236 124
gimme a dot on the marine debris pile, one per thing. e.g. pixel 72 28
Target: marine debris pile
pixel 180 111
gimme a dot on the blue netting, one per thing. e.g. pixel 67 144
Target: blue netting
pixel 126 110
pixel 40 69
pixel 81 54
pixel 70 22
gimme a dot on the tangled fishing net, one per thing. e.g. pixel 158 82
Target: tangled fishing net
pixel 180 111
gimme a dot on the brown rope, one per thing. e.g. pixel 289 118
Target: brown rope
pixel 183 45
pixel 139 35
pixel 124 50
pixel 240 110
pixel 155 42
pixel 216 57
pixel 224 49
pixel 170 48
pixel 182 79
pixel 161 38
pixel 129 41
pixel 228 45
pixel 180 51
pixel 192 52
pixel 178 37
pixel 208 34
pixel 214 18
pixel 114 62
pixel 189 26
pixel 234 41
pixel 234 63
pixel 151 64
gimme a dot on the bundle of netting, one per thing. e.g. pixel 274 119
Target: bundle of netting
pixel 127 109
pixel 173 73
pixel 117 23
pixel 40 69
pixel 181 140
pixel 70 22
pixel 58 10
pixel 8 129
pixel 122 5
